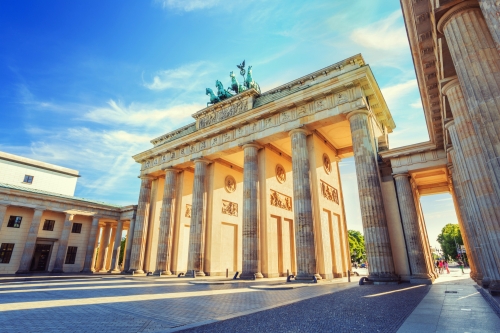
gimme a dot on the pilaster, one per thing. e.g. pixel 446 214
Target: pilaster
pixel 92 244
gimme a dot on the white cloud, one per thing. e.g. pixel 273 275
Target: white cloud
pixel 138 115
pixel 185 77
pixel 417 104
pixel 395 94
pixel 387 34
pixel 188 5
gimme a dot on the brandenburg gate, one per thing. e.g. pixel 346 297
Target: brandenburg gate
pixel 253 184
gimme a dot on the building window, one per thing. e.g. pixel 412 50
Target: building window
pixel 28 179
pixel 71 255
pixel 15 221
pixel 49 225
pixel 6 252
pixel 77 228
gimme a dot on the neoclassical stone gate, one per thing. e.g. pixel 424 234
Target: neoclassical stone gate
pixel 253 185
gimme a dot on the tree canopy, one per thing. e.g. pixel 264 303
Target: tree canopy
pixel 448 238
pixel 356 246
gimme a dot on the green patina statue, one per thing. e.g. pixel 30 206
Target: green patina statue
pixel 213 99
pixel 237 88
pixel 221 92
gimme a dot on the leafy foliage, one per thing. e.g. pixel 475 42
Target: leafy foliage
pixel 122 250
pixel 356 246
pixel 449 234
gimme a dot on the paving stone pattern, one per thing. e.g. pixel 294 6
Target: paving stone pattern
pixel 344 311
pixel 44 308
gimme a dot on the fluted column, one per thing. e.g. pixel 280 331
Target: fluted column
pixel 141 227
pixel 377 242
pixel 302 210
pixel 104 246
pixel 128 248
pixel 63 244
pixel 29 247
pixel 491 12
pixel 412 232
pixel 91 246
pixel 477 63
pixel 482 215
pixel 163 258
pixel 467 235
pixel 115 257
pixel 198 211
pixel 251 254
pixel 3 212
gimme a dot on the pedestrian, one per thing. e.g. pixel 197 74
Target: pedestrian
pixel 440 267
pixel 461 265
pixel 445 264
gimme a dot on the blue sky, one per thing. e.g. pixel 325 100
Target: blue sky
pixel 87 84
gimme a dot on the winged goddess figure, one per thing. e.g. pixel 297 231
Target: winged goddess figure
pixel 242 68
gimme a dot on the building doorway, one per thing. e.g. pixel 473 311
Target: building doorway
pixel 40 258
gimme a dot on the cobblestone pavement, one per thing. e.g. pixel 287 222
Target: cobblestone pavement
pixel 361 309
pixel 126 304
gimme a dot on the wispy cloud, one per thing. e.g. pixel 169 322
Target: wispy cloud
pixel 185 77
pixel 188 5
pixel 141 115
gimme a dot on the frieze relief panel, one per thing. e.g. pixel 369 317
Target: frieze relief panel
pixel 329 192
pixel 331 101
pixel 188 211
pixel 229 208
pixel 281 200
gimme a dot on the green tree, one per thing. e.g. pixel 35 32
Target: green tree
pixel 449 238
pixel 356 245
pixel 122 250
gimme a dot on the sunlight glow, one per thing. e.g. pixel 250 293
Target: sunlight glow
pixel 96 287
pixel 395 291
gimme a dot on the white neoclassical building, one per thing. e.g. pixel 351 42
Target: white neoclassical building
pixel 44 228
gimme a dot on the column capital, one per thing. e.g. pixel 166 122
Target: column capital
pixel 69 217
pixel 449 124
pixel 37 209
pixel 353 113
pixel 251 144
pixel 149 177
pixel 464 6
pixel 201 160
pixel 300 130
pixel 451 84
pixel 171 169
pixel 398 175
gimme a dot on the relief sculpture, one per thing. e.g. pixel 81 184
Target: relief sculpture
pixel 280 200
pixel 188 211
pixel 229 208
pixel 329 192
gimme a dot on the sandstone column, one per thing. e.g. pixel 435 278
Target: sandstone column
pixel 477 63
pixel 63 244
pixel 29 247
pixel 412 232
pixel 141 227
pixel 251 254
pixel 128 249
pixel 163 258
pixel 377 242
pixel 491 12
pixel 98 240
pixel 115 259
pixel 481 205
pixel 3 211
pixel 124 259
pixel 104 246
pixel 302 210
pixel 91 246
pixel 196 233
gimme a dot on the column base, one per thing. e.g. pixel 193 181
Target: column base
pixel 251 276
pixel 189 273
pixel 103 270
pixel 163 273
pixel 115 271
pixel 19 272
pixel 494 288
pixel 308 277
pixel 87 270
pixel 485 282
pixel 384 278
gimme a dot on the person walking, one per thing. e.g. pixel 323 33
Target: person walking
pixel 461 265
pixel 445 264
pixel 440 267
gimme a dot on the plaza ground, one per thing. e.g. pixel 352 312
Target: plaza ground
pixel 121 303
